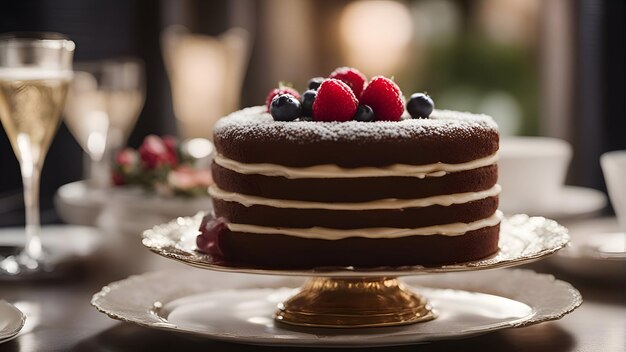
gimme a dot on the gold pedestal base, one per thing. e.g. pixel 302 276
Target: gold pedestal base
pixel 354 303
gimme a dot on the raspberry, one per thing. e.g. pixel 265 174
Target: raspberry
pixel 385 98
pixel 280 90
pixel 334 102
pixel 352 77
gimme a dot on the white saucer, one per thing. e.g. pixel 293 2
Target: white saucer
pixel 597 250
pixel 571 202
pixel 130 210
pixel 79 204
pixel 63 243
pixel 239 307
pixel 11 321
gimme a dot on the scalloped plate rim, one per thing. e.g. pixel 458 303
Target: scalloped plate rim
pixel 364 340
pixel 203 261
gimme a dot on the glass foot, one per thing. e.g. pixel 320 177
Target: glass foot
pixel 16 264
pixel 354 303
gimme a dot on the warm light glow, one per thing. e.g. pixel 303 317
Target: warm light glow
pixel 376 35
pixel 96 128
pixel 206 74
pixel 509 21
pixel 199 147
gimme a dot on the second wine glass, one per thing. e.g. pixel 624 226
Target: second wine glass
pixel 103 104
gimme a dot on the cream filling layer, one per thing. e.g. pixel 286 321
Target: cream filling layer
pixel 324 233
pixel 390 203
pixel 334 171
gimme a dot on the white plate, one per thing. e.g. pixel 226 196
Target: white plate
pixel 63 243
pixel 571 202
pixel 79 204
pixel 11 321
pixel 239 307
pixel 597 250
pixel 523 239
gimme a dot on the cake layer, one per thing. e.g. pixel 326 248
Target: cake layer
pixel 356 189
pixel 252 136
pixel 350 219
pixel 289 252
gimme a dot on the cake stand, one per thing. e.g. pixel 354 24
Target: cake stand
pixel 350 297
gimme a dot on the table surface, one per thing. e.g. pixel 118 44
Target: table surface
pixel 60 317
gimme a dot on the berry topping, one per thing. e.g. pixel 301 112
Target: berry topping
pixel 385 98
pixel 364 113
pixel 285 107
pixel 280 90
pixel 352 77
pixel 315 82
pixel 308 98
pixel 211 231
pixel 420 105
pixel 334 102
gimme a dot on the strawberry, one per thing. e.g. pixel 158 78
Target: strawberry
pixel 385 98
pixel 335 101
pixel 352 77
pixel 280 90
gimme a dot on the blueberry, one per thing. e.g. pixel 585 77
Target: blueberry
pixel 420 106
pixel 364 113
pixel 315 82
pixel 308 98
pixel 285 107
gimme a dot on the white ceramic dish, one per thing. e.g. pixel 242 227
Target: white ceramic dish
pixel 570 202
pixel 130 210
pixel 239 307
pixel 597 250
pixel 121 209
pixel 614 168
pixel 11 321
pixel 531 170
pixel 78 204
pixel 523 239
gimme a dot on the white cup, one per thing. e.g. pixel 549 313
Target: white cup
pixel 614 169
pixel 531 172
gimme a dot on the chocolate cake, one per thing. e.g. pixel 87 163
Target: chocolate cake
pixel 304 194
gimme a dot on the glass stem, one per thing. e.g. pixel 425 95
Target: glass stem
pixel 30 179
pixel 100 171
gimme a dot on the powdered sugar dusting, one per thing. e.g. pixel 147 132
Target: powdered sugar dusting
pixel 256 122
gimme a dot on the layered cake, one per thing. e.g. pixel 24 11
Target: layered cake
pixel 300 191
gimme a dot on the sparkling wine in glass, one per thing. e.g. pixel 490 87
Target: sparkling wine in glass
pixel 103 103
pixel 35 71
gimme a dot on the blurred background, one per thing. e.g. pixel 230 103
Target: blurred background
pixel 541 68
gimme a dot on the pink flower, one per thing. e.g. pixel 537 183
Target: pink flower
pixel 211 236
pixel 185 178
pixel 170 143
pixel 154 152
pixel 127 157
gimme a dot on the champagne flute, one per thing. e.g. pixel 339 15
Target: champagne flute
pixel 103 104
pixel 35 71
